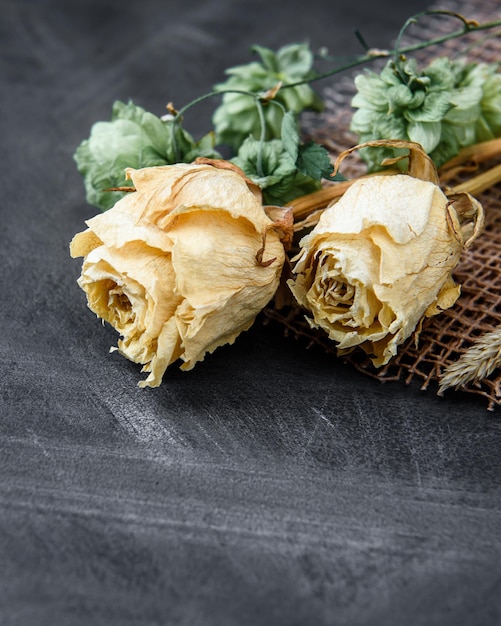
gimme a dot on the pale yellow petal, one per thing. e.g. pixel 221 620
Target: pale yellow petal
pixel 214 255
pixel 117 227
pixel 82 243
pixel 398 203
pixel 203 329
pixel 200 186
pixel 168 350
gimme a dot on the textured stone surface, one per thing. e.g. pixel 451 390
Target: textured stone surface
pixel 270 485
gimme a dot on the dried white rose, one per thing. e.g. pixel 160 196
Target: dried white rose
pixel 183 264
pixel 381 258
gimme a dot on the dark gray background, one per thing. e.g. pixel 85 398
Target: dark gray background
pixel 270 485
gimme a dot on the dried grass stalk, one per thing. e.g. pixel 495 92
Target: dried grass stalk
pixel 476 364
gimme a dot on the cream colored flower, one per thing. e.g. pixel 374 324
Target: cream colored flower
pixel 182 265
pixel 380 259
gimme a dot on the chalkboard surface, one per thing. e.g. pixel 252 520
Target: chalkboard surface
pixel 270 485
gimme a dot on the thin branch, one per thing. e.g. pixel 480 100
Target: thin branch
pixel 262 138
pixel 378 54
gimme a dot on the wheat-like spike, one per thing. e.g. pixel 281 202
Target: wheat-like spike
pixel 475 364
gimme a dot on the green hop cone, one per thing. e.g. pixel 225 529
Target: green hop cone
pixel 447 106
pixel 271 168
pixel 133 138
pixel 238 118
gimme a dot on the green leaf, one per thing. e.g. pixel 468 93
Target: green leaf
pixel 371 91
pixel 466 105
pixel 448 146
pixel 442 73
pixel 483 129
pixel 268 58
pixel 295 60
pixel 399 96
pixel 313 160
pixel 425 133
pixel 290 136
pixel 434 108
pixel 466 134
pixel 203 148
pixel 275 161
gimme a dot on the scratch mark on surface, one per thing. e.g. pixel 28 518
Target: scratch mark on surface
pixel 141 423
pixel 418 474
pixel 310 439
pixel 323 417
pixel 137 418
pixel 38 443
pixel 210 437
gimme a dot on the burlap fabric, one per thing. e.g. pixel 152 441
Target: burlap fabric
pixel 444 337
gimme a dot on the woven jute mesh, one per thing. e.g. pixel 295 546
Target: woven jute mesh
pixel 447 336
